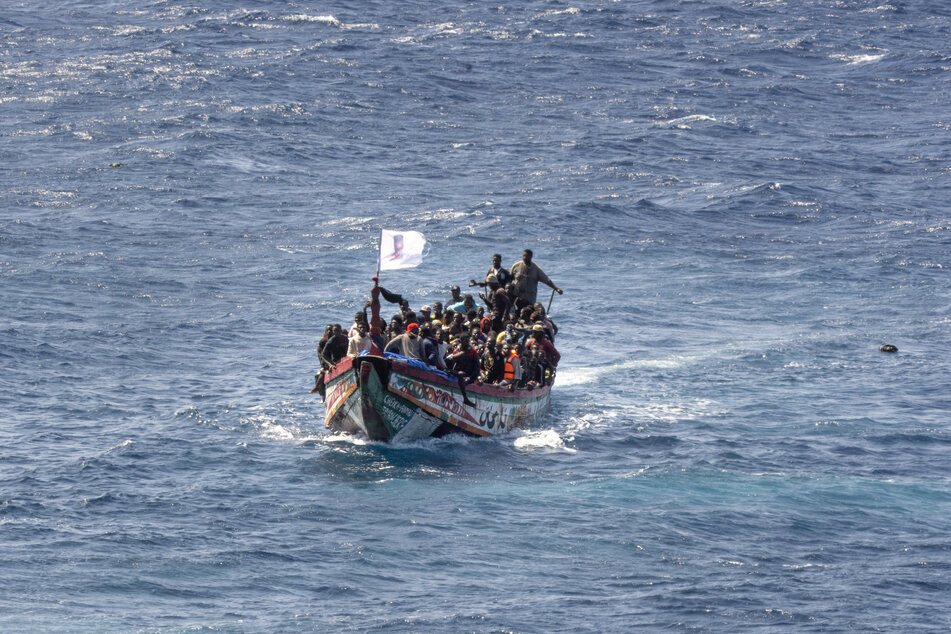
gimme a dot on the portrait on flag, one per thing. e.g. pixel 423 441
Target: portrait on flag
pixel 401 249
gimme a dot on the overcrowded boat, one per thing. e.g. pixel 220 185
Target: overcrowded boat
pixel 475 370
pixel 392 398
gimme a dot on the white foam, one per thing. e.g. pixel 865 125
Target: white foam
pixel 852 60
pixel 125 443
pixel 275 431
pixel 684 122
pixel 544 439
pixel 580 375
pixel 576 375
pixel 568 11
pixel 321 19
pixel 128 29
pixel 346 438
pixel 804 566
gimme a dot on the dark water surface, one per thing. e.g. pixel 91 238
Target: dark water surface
pixel 741 200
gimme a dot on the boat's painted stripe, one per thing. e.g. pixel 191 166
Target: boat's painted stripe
pixel 339 392
pixel 490 391
pixel 425 393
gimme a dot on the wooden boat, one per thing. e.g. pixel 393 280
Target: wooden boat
pixel 392 398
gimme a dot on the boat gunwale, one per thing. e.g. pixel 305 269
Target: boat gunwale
pixel 434 376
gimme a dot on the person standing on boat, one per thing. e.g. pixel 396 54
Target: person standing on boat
pixel 456 295
pixel 498 302
pixel 513 366
pixel 324 366
pixel 540 336
pixel 465 363
pixel 464 305
pixel 437 312
pixel 328 333
pixel 359 318
pixel 359 342
pixel 407 344
pixel 425 315
pixel 526 275
pixel 336 347
pixel 429 347
pixel 501 275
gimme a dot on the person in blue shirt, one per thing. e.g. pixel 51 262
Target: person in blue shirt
pixel 464 306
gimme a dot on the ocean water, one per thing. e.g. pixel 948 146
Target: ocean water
pixel 742 201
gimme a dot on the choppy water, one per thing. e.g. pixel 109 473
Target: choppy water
pixel 741 200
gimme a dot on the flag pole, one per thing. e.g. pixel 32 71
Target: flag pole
pixel 379 254
pixel 376 324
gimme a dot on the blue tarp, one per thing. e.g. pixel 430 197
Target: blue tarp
pixel 416 363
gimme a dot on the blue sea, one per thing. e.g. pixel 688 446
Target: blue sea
pixel 741 200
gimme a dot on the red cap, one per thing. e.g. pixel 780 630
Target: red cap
pixel 412 326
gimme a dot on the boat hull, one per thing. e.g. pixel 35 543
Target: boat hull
pixel 393 400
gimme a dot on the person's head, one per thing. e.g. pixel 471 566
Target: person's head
pixel 525 314
pixel 527 256
pixel 437 309
pixel 425 331
pixel 464 342
pixel 455 292
pixel 337 329
pixel 538 331
pixel 329 329
pixel 496 260
pixel 426 312
pixel 492 281
pixel 412 330
pixel 362 328
pixel 358 317
pixel 468 302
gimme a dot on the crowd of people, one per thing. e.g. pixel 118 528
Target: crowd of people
pixel 506 338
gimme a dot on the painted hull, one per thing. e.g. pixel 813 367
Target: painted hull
pixel 391 400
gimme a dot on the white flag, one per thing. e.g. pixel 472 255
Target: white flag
pixel 401 249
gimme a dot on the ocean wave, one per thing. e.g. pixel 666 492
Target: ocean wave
pixel 684 122
pixel 859 58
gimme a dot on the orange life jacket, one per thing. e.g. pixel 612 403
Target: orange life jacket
pixel 509 373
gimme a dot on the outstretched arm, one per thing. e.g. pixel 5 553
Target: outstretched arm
pixel 544 279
